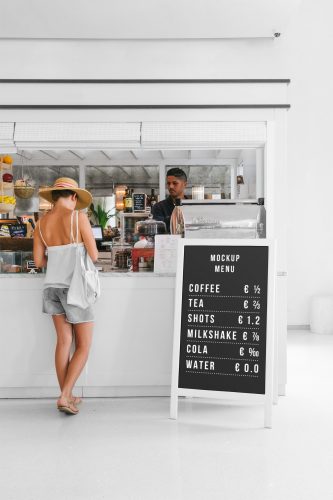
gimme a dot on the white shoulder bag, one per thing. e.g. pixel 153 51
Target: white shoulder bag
pixel 85 288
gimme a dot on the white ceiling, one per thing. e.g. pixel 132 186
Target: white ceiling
pixel 134 167
pixel 124 157
pixel 147 19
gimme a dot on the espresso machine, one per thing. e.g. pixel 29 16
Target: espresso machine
pixel 224 218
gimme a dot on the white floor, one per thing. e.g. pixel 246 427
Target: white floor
pixel 129 449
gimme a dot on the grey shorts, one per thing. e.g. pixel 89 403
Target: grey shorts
pixel 55 303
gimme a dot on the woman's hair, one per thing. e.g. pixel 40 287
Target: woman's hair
pixel 61 193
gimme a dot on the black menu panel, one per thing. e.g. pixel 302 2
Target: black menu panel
pixel 224 317
pixel 139 202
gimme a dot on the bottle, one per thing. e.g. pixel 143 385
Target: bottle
pixel 177 220
pixel 128 201
pixel 152 198
pixel 124 198
pixel 261 219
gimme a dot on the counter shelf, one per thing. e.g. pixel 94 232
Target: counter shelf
pixel 17 262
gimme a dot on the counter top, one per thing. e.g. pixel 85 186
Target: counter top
pixel 127 275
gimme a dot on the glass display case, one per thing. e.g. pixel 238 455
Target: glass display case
pixel 12 262
pixel 121 255
pixel 128 225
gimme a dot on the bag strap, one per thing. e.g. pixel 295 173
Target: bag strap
pixel 75 240
pixel 77 226
pixel 72 236
pixel 40 232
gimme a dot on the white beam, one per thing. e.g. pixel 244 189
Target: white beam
pixel 24 154
pixel 106 155
pixel 32 162
pixel 146 171
pixel 125 171
pixel 134 155
pixel 47 153
pixel 76 154
pixel 54 169
pixel 101 170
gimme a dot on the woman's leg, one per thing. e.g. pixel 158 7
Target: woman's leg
pixel 83 338
pixel 62 353
pixel 64 341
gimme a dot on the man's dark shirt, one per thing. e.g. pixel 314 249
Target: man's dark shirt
pixel 163 210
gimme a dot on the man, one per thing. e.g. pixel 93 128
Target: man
pixel 176 183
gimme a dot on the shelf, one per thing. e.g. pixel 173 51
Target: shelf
pixel 135 214
pixel 16 244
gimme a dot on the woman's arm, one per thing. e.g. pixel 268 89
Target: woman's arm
pixel 87 236
pixel 40 258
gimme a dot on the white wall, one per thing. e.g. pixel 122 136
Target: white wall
pixel 303 53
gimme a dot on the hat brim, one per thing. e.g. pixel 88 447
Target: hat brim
pixel 84 198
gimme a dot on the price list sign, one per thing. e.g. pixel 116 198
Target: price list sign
pixel 221 329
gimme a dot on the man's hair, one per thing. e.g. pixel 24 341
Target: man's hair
pixel 177 172
pixel 61 193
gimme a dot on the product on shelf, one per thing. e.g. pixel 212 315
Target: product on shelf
pixel 128 201
pixel 4 231
pixel 7 159
pixel 152 198
pixel 7 177
pixel 24 188
pixel 7 198
pixel 6 186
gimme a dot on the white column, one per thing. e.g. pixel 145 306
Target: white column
pixel 233 181
pixel 82 176
pixel 162 181
pixel 82 184
pixel 260 189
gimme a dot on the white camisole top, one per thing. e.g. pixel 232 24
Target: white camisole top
pixel 61 259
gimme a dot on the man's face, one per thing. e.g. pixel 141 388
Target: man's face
pixel 176 186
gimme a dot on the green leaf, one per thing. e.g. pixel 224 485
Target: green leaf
pixel 101 215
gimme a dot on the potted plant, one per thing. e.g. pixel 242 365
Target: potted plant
pixel 101 215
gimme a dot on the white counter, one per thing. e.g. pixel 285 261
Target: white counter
pixel 132 344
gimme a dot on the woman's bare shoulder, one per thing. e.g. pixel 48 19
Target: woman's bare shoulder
pixel 82 215
pixel 83 218
pixel 42 219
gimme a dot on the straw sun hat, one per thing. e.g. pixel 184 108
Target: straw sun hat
pixel 84 198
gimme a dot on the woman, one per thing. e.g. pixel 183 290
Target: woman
pixel 55 233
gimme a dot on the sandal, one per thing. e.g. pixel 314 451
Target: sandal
pixel 69 408
pixel 76 400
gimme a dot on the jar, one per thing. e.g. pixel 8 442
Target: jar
pixel 150 227
pixel 121 255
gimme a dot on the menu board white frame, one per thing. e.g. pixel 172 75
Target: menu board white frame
pixel 267 398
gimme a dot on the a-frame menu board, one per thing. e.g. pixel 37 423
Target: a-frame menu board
pixel 224 320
